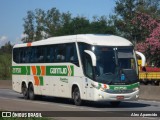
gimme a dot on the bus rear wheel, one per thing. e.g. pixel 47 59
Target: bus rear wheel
pixel 145 81
pixel 77 97
pixel 25 91
pixel 31 92
pixel 156 82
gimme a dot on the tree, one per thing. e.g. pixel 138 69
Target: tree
pixel 29 27
pixel 52 22
pixel 150 7
pixel 151 46
pixel 5 66
pixel 79 25
pixel 40 22
pixel 65 28
pixel 100 25
pixel 126 10
pixel 7 48
pixel 5 61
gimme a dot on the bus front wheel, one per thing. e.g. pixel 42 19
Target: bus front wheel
pixel 77 97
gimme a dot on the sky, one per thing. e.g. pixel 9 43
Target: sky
pixel 12 13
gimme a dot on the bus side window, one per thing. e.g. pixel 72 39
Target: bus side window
pixel 88 69
pixel 33 55
pixel 60 53
pixel 40 55
pixel 22 55
pixel 50 55
pixel 71 54
pixel 68 50
pixel 16 55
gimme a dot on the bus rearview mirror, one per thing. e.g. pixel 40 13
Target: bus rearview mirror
pixel 92 55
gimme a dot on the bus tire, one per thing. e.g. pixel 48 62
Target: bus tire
pixel 77 97
pixel 156 82
pixel 145 81
pixel 31 92
pixel 25 91
pixel 115 103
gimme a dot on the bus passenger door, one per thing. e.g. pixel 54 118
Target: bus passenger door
pixel 88 71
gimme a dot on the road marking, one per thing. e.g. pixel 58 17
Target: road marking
pixel 41 102
pixel 67 106
pixel 149 101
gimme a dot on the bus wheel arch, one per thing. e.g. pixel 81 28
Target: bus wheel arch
pixel 31 93
pixel 76 96
pixel 24 90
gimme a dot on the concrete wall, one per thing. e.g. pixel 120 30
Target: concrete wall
pixel 148 92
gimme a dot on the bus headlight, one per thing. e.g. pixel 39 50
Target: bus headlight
pixel 136 89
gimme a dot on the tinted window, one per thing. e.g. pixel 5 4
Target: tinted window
pixel 60 53
pixel 46 54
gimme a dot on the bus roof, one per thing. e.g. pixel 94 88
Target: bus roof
pixel 93 39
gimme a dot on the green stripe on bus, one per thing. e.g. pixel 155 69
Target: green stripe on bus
pixel 38 70
pixel 19 70
pixel 28 70
pixel 62 70
pixel 72 70
pixel 41 80
pixel 125 87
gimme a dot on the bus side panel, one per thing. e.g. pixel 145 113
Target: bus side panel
pixel 50 86
pixel 17 82
pixel 37 88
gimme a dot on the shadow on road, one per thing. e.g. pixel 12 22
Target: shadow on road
pixel 125 104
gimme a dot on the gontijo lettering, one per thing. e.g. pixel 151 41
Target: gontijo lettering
pixel 120 88
pixel 16 70
pixel 58 70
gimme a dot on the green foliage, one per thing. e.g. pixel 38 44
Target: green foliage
pixel 7 48
pixel 126 11
pixel 5 66
pixel 29 28
pixel 40 25
pixel 5 61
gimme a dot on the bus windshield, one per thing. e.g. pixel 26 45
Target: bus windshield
pixel 115 65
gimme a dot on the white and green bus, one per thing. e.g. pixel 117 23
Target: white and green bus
pixel 85 67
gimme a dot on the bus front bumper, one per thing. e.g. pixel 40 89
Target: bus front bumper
pixel 104 96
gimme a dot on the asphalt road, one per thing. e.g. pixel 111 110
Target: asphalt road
pixel 12 101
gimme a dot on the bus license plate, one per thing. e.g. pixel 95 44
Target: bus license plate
pixel 120 97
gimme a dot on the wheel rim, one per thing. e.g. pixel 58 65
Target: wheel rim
pixel 77 97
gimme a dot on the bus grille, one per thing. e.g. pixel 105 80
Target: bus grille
pixel 119 91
